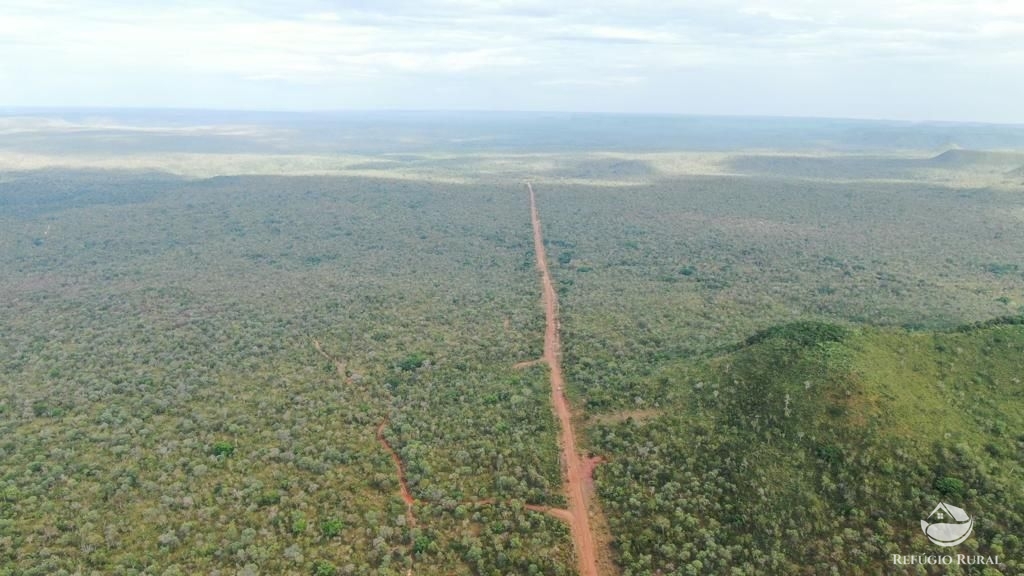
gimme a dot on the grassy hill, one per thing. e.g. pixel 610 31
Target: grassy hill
pixel 814 447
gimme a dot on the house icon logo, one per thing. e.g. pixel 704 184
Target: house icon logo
pixel 947 525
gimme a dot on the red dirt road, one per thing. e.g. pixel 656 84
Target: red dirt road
pixel 403 483
pixel 576 469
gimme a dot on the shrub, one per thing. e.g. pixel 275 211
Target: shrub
pixel 331 527
pixel 298 523
pixel 421 544
pixel 949 486
pixel 412 362
pixel 269 498
pixel 223 449
pixel 324 568
pixel 830 453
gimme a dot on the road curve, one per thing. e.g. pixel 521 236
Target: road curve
pixel 575 468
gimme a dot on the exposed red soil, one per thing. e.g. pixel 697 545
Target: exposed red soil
pixel 589 465
pixel 560 513
pixel 403 485
pixel 577 469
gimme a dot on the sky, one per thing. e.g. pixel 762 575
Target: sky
pixel 940 60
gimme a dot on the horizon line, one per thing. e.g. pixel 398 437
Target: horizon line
pixel 6 110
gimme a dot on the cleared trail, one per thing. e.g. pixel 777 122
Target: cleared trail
pixel 339 366
pixel 526 364
pixel 402 483
pixel 577 469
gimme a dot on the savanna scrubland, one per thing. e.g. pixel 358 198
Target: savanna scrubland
pixel 787 341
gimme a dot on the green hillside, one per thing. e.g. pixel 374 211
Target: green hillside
pixel 814 449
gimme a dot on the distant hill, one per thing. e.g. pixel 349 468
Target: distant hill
pixel 957 158
pixel 818 447
pixel 858 166
pixel 841 166
pixel 603 168
pixel 134 131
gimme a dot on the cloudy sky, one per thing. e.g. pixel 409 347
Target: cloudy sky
pixel 917 60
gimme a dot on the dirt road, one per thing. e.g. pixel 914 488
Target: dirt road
pixel 559 513
pixel 402 483
pixel 576 469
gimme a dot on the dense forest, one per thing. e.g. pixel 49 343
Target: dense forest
pixel 164 409
pixel 782 372
pixel 783 361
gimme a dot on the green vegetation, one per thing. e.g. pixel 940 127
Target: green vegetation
pixel 741 347
pixel 785 359
pixel 763 252
pixel 331 528
pixel 412 362
pixel 802 334
pixel 165 408
pixel 324 568
pixel 820 458
pixel 223 449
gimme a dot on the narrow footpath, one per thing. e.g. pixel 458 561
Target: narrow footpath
pixel 403 484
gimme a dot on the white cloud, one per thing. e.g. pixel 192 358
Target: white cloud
pixel 595 82
pixel 459 35
pixel 489 45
